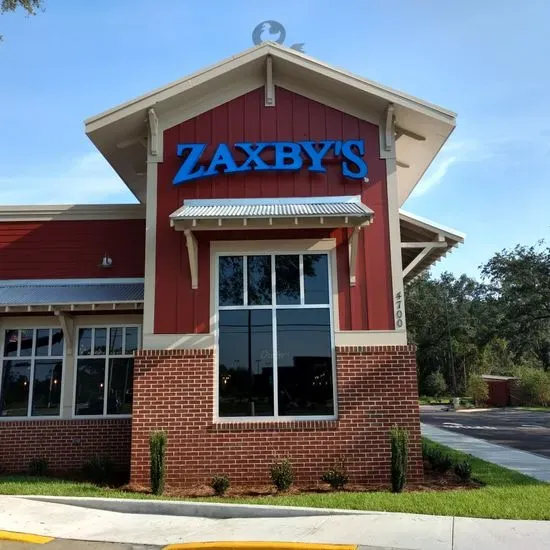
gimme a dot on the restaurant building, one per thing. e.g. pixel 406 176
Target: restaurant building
pixel 250 304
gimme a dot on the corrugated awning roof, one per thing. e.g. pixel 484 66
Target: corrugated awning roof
pixel 69 292
pixel 300 207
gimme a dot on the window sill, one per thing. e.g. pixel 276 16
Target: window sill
pixel 8 419
pixel 293 425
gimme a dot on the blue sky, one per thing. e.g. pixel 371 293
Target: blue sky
pixel 487 61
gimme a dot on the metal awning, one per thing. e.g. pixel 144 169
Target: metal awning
pixel 68 295
pixel 423 243
pixel 270 213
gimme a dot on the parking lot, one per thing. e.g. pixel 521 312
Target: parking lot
pixel 525 430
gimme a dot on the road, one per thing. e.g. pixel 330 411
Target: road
pixel 524 430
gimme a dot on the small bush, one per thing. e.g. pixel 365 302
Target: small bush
pixel 534 387
pixel 438 459
pixel 99 470
pixel 282 474
pixel 157 446
pixel 478 389
pixel 336 476
pixel 220 484
pixel 38 467
pixel 464 470
pixel 435 385
pixel 399 439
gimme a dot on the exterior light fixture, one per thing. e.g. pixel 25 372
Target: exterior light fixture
pixel 106 261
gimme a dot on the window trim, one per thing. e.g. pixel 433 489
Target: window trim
pixel 243 250
pixel 33 358
pixel 106 358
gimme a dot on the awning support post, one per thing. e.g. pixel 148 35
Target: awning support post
pixel 193 253
pixel 423 253
pixel 67 324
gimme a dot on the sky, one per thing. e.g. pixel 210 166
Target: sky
pixel 488 61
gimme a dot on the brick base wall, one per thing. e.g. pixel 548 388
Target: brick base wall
pixel 174 390
pixel 66 444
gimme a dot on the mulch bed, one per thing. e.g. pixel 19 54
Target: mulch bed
pixel 433 481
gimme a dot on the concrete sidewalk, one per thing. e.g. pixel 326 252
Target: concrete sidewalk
pixel 376 529
pixel 527 463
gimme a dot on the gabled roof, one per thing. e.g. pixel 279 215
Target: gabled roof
pixel 120 133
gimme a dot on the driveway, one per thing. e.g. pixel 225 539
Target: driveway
pixel 524 430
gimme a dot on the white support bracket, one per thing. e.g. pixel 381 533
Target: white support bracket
pixel 269 86
pixel 389 134
pixel 423 253
pixel 399 131
pixel 67 324
pixel 153 133
pixel 353 244
pixel 193 253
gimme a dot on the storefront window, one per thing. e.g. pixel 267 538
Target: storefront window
pixel 275 336
pixel 104 378
pixel 32 368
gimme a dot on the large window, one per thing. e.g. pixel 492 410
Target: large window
pixel 105 370
pixel 31 371
pixel 275 336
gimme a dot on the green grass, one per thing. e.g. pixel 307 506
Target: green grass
pixel 537 409
pixel 506 494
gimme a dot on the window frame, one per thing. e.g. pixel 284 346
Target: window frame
pixel 4 327
pixel 105 357
pixel 329 252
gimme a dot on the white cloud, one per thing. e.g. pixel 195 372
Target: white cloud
pixel 452 153
pixel 89 179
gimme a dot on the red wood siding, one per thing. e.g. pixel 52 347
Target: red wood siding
pixel 368 305
pixel 71 249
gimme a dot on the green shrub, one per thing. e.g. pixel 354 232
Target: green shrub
pixel 99 470
pixel 282 474
pixel 157 446
pixel 38 466
pixel 399 439
pixel 534 386
pixel 478 389
pixel 439 460
pixel 463 470
pixel 435 385
pixel 336 476
pixel 220 484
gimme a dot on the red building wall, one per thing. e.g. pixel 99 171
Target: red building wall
pixel 368 305
pixel 71 249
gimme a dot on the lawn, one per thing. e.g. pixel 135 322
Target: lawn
pixel 506 494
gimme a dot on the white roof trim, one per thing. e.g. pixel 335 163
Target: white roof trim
pixel 18 213
pixel 432 226
pixel 65 282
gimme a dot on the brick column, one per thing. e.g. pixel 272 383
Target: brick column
pixel 174 390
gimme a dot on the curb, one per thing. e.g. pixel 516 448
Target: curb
pixel 248 545
pixel 12 536
pixel 209 510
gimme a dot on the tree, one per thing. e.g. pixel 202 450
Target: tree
pixel 520 280
pixel 31 7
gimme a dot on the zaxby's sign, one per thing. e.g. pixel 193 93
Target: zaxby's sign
pixel 271 155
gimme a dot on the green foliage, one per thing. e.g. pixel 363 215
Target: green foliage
pixel 30 6
pixel 399 439
pixel 38 466
pixel 435 385
pixel 478 389
pixel 336 476
pixel 220 484
pixel 157 446
pixel 440 460
pixel 463 470
pixel 282 474
pixel 99 470
pixel 534 386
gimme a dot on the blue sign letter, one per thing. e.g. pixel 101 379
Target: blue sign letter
pixel 185 172
pixel 253 156
pixel 286 150
pixel 222 157
pixel 315 155
pixel 357 159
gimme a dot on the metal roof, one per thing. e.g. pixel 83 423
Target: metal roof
pixel 273 208
pixel 69 291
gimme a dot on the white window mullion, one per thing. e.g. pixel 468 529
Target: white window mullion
pixel 301 264
pixel 245 280
pixel 106 375
pixel 31 371
pixel 19 337
pixel 50 342
pixel 123 350
pixel 274 338
pixel 92 342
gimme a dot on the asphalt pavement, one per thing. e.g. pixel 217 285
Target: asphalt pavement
pixel 524 430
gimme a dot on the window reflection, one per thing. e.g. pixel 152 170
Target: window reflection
pixel 230 281
pixel 316 279
pixel 259 280
pixel 287 279
pixel 16 378
pixel 46 393
pixel 245 363
pixel 90 381
pixel 304 362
